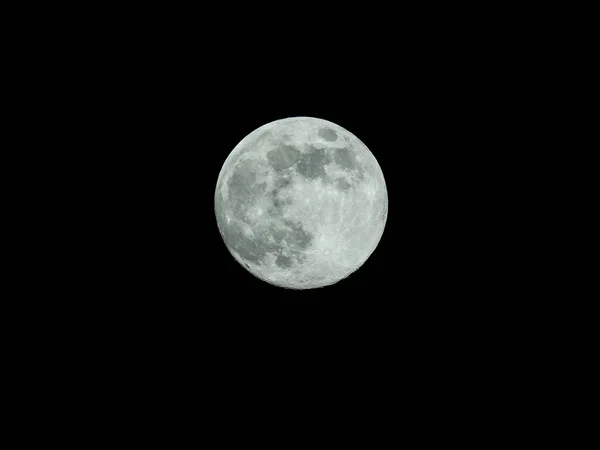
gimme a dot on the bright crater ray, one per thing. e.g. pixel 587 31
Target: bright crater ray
pixel 301 203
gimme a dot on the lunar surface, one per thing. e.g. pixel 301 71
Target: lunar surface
pixel 301 203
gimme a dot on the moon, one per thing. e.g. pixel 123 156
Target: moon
pixel 301 203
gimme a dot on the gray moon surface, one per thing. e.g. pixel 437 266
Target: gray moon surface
pixel 301 203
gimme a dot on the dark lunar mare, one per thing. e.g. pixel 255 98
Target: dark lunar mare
pixel 345 158
pixel 283 156
pixel 268 237
pixel 255 248
pixel 342 184
pixel 328 134
pixel 243 188
pixel 312 163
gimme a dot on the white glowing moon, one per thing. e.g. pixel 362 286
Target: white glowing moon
pixel 301 203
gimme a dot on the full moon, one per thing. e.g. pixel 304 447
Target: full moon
pixel 301 203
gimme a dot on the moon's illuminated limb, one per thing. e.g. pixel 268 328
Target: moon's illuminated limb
pixel 301 202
